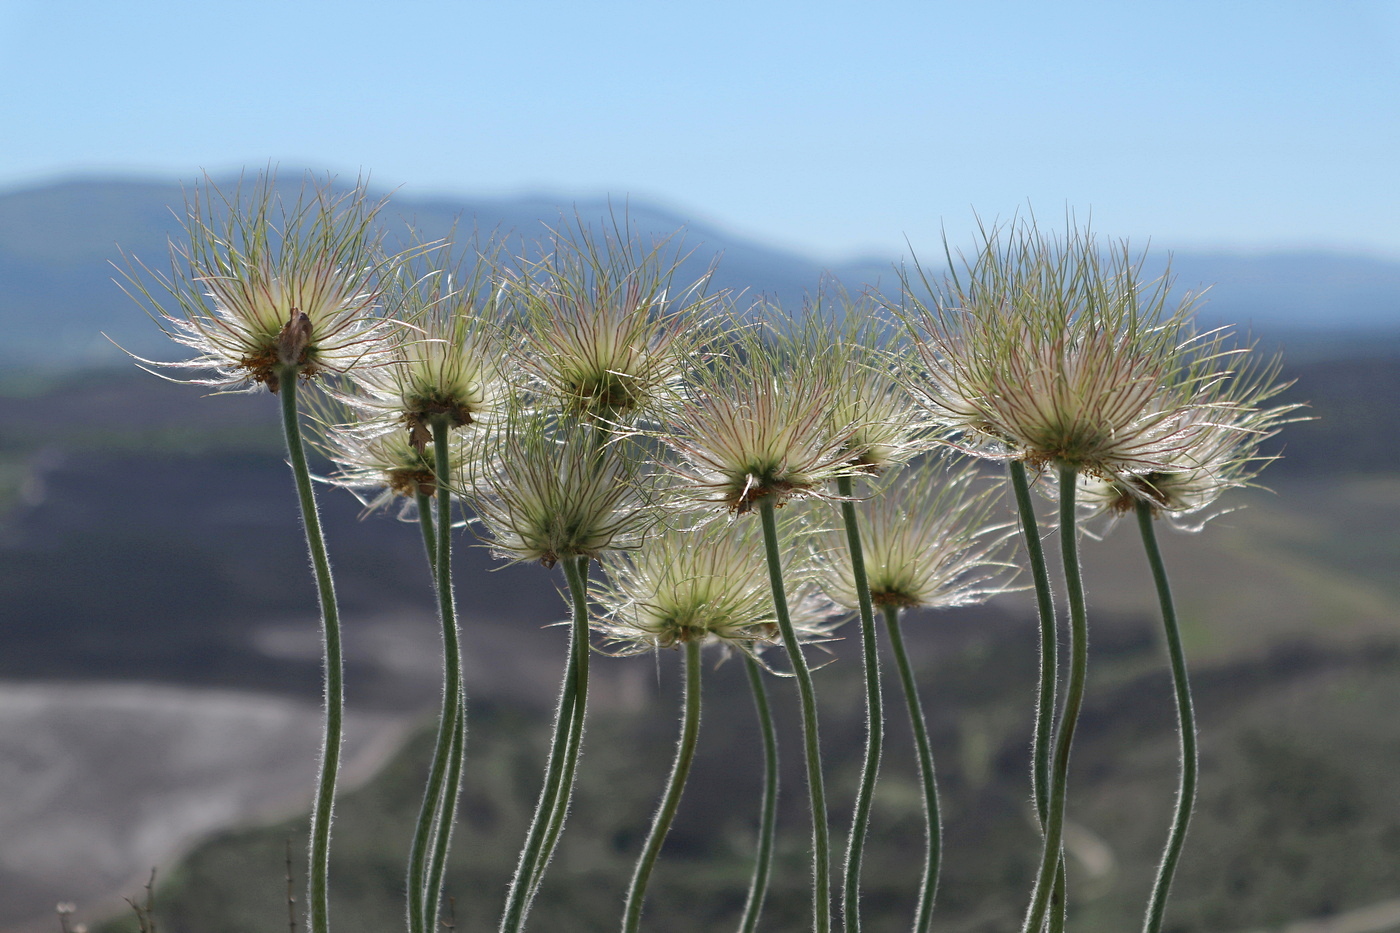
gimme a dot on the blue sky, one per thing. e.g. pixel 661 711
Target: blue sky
pixel 832 128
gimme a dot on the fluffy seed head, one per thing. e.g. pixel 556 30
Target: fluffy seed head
pixel 557 491
pixel 928 539
pixel 264 284
pixel 1227 428
pixel 385 468
pixel 708 584
pixel 1055 352
pixel 753 429
pixel 447 360
pixel 852 349
pixel 607 333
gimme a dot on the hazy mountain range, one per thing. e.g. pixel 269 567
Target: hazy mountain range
pixel 58 242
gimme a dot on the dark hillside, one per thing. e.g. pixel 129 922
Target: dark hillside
pixel 144 540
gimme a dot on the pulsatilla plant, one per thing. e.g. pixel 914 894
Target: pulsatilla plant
pixel 1055 352
pixel 927 539
pixel 607 332
pixel 583 406
pixel 264 286
pixel 685 588
pixel 269 291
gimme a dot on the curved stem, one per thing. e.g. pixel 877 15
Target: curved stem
pixel 821 835
pixel 422 911
pixel 334 660
pixel 934 824
pixel 1050 860
pixel 559 805
pixel 768 810
pixel 560 810
pixel 675 784
pixel 1186 721
pixel 1049 672
pixel 451 791
pixel 874 710
pixel 437 866
pixel 572 703
pixel 1045 607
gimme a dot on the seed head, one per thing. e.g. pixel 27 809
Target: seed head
pixel 928 538
pixel 558 490
pixel 856 352
pixel 1055 352
pixel 447 358
pixel 607 334
pixel 263 285
pixel 708 584
pixel 751 428
pixel 1226 429
pixel 383 468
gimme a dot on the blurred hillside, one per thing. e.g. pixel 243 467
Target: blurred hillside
pixel 159 626
pixel 58 244
pixel 149 535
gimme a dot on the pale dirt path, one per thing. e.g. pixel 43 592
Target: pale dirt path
pixel 98 779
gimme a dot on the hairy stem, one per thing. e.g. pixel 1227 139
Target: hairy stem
pixel 334 662
pixel 768 810
pixel 1050 861
pixel 439 797
pixel 821 835
pixel 928 888
pixel 675 784
pixel 1186 722
pixel 560 809
pixel 1045 606
pixel 874 711
pixel 558 773
pixel 1049 671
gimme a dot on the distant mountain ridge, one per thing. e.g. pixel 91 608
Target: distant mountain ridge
pixel 58 240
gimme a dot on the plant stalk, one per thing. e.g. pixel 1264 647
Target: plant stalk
pixel 439 797
pixel 675 785
pixel 1051 858
pixel 1049 672
pixel 1186 722
pixel 560 810
pixel 768 809
pixel 874 710
pixel 821 834
pixel 318 898
pixel 928 888
pixel 572 703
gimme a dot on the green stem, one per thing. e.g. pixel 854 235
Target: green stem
pixel 572 703
pixel 559 804
pixel 422 910
pixel 1045 606
pixel 933 823
pixel 675 784
pixel 1049 671
pixel 1051 858
pixel 334 661
pixel 1186 721
pixel 821 839
pixel 560 810
pixel 456 761
pixel 768 810
pixel 874 710
pixel 437 866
